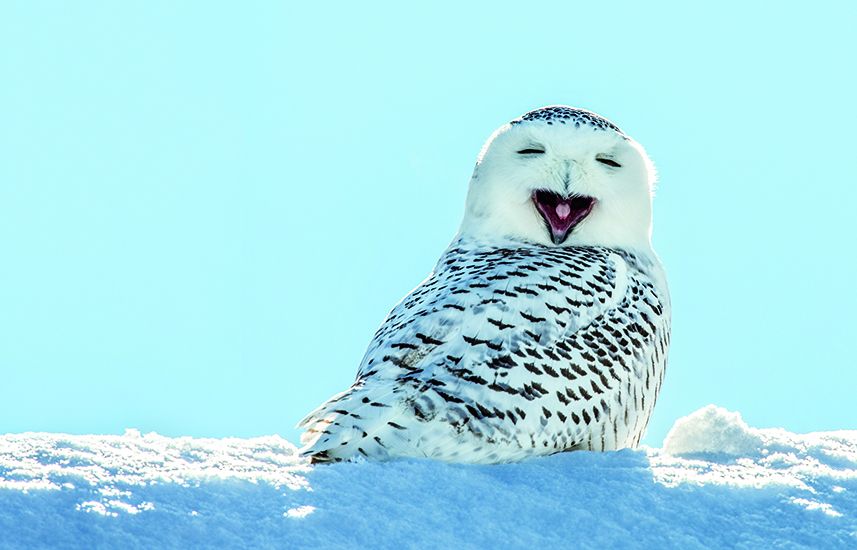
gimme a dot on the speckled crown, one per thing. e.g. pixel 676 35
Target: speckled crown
pixel 568 115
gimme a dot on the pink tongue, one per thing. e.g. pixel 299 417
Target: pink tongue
pixel 563 210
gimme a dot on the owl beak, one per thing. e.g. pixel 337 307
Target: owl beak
pixel 561 214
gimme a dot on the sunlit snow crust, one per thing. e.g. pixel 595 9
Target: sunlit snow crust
pixel 724 485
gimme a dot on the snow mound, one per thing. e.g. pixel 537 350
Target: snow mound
pixel 713 429
pixel 717 483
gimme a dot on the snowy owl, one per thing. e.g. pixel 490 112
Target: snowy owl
pixel 544 326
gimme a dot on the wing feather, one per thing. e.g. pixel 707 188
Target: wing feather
pixel 503 348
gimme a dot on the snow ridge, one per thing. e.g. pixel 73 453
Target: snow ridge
pixel 717 483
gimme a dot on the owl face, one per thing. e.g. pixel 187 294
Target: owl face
pixel 560 176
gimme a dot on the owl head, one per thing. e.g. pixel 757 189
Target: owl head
pixel 561 176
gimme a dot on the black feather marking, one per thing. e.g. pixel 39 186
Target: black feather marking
pixel 500 324
pixel 532 318
pixel 428 339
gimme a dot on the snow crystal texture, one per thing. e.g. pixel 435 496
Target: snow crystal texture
pixel 717 483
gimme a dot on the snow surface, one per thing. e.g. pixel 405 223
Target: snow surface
pixel 717 483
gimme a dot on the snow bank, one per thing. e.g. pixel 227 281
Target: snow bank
pixel 716 484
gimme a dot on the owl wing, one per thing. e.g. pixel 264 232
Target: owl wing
pixel 466 349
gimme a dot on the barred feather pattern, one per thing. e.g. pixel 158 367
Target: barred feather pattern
pixel 507 352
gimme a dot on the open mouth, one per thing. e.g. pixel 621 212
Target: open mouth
pixel 561 214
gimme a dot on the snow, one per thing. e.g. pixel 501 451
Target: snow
pixel 716 483
pixel 713 430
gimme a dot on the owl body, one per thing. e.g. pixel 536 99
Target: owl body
pixel 525 341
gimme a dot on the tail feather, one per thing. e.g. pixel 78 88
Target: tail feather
pixel 351 424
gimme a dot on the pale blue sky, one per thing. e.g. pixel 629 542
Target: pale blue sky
pixel 206 211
